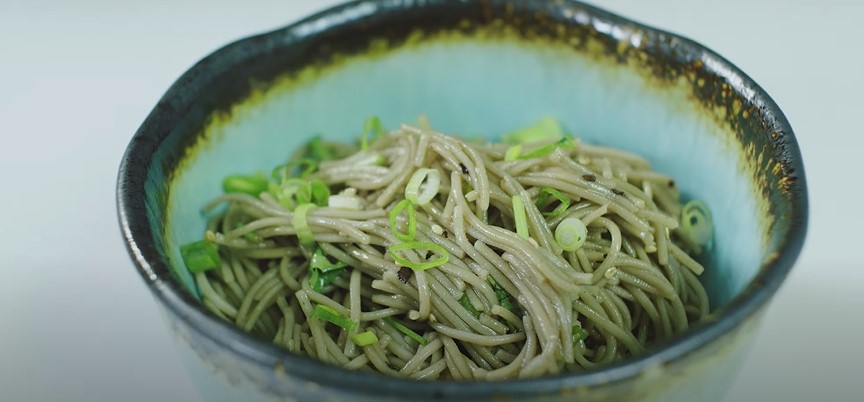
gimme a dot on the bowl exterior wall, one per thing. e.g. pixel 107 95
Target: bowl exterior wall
pixel 221 375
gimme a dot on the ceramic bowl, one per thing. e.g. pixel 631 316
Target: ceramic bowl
pixel 474 68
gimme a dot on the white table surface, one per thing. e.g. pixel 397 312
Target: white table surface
pixel 77 78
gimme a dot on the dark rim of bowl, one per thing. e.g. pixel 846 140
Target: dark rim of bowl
pixel 137 231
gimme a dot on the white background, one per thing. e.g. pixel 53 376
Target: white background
pixel 76 80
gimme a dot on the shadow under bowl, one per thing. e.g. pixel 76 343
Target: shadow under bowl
pixel 474 68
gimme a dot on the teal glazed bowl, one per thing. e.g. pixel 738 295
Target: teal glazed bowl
pixel 474 68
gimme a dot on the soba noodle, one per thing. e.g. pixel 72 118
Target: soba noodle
pixel 470 278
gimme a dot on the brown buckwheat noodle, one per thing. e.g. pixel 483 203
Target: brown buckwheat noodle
pixel 505 304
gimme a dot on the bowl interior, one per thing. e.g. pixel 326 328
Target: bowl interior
pixel 472 85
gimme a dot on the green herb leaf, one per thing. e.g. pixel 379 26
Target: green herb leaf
pixel 322 272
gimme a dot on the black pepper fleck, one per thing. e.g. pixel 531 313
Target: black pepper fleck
pixel 404 274
pixel 464 168
pixel 589 177
pixel 617 192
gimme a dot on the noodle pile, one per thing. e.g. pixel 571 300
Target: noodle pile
pixel 498 302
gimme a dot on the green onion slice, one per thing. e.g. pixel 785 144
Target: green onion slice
pixel 407 331
pixel 313 191
pixel 571 234
pixel 696 222
pixel 520 216
pixel 543 197
pixel 328 314
pixel 345 202
pixel 200 256
pixel 304 232
pixel 443 255
pixel 408 206
pixel 513 153
pixel 301 167
pixel 286 193
pixel 546 128
pixel 251 237
pixel 318 150
pixel 252 185
pixel 579 334
pixel 567 143
pixel 373 126
pixel 364 338
pixel 423 186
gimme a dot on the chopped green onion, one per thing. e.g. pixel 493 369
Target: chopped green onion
pixel 281 172
pixel 504 298
pixel 252 185
pixel 412 220
pixel 407 331
pixel 571 234
pixel 320 192
pixel 301 167
pixel 364 339
pixel 545 129
pixel 696 222
pixel 286 193
pixel 373 126
pixel 466 302
pixel 252 237
pixel 322 272
pixel 545 192
pixel 513 153
pixel 200 256
pixel 345 202
pixel 328 314
pixel 544 150
pixel 579 334
pixel 293 192
pixel 304 232
pixel 304 194
pixel 443 255
pixel 313 191
pixel 318 150
pixel 520 216
pixel 322 263
pixel 423 186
